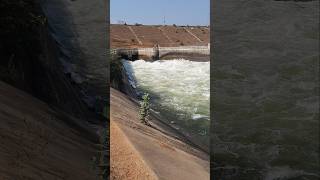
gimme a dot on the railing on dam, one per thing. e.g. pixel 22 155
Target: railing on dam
pixel 159 52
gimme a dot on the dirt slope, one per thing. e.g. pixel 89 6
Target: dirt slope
pixel 39 142
pixel 158 146
pixel 130 36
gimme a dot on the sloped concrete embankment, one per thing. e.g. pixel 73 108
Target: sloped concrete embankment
pixel 158 150
pixel 33 65
pixel 79 28
pixel 143 36
pixel 39 142
pixel 45 130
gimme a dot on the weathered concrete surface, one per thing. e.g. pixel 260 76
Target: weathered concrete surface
pixel 199 50
pixel 162 150
pixel 130 36
pixel 52 139
pixel 126 162
pixel 162 52
pixel 40 142
pixel 79 27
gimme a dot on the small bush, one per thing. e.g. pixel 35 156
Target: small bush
pixel 144 109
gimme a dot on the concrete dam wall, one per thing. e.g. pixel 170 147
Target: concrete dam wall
pixel 162 52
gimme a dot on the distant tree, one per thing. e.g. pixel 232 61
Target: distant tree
pixel 174 25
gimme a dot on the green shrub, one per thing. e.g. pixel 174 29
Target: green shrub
pixel 144 109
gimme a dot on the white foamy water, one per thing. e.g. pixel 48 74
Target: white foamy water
pixel 180 90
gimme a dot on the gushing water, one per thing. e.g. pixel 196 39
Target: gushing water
pixel 180 92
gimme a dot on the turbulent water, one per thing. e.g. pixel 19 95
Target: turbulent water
pixel 179 92
pixel 266 90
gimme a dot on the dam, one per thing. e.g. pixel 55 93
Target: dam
pixel 155 42
pixel 161 52
pixel 173 66
pixel 169 63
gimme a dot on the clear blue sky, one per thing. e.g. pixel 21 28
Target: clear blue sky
pixel 179 12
